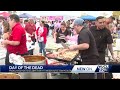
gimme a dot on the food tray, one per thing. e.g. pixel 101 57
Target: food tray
pixel 64 60
pixel 69 55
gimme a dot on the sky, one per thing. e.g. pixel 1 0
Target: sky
pixel 63 13
pixel 69 13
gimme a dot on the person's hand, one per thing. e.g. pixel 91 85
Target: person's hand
pixel 72 47
pixel 5 42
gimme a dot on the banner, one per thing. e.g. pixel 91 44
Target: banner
pixel 51 18
pixel 62 68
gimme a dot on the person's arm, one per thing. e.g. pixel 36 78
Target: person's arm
pixel 55 35
pixel 111 51
pixel 82 46
pixel 13 43
pixel 110 47
pixel 109 43
pixel 17 34
pixel 84 42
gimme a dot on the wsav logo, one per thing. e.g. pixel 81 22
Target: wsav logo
pixel 103 68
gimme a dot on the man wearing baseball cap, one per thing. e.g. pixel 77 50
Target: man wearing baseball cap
pixel 86 46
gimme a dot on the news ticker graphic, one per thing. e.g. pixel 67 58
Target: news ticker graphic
pixel 62 68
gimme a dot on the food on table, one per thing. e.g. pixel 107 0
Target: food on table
pixel 52 55
pixel 33 58
pixel 68 55
pixel 9 76
pixel 53 46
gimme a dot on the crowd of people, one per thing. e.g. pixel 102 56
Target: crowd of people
pixel 91 38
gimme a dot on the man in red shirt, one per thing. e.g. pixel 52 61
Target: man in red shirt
pixel 17 40
pixel 30 29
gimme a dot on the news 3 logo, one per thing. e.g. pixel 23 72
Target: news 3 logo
pixel 103 68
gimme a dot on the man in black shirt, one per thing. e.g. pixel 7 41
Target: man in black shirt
pixel 86 46
pixel 103 39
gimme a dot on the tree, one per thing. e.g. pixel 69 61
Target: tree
pixel 116 14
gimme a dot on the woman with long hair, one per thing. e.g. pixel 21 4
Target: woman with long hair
pixel 60 34
pixel 6 29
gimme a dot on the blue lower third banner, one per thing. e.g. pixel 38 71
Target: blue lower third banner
pixel 62 68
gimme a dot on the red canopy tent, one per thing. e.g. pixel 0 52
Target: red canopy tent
pixel 5 14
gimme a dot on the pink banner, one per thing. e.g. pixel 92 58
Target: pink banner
pixel 53 18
